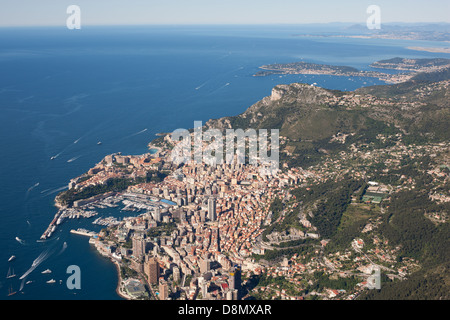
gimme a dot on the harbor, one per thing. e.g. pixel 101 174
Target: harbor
pixel 63 214
pixel 127 202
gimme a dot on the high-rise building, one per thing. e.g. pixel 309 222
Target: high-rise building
pixel 176 274
pixel 157 214
pixel 153 271
pixel 235 278
pixel 205 265
pixel 212 209
pixel 163 290
pixel 232 280
pixel 139 245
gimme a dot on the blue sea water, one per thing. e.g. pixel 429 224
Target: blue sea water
pixel 62 91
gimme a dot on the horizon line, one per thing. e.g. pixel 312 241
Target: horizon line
pixel 223 24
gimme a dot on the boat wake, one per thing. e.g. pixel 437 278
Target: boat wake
pixel 224 86
pixel 34 186
pixel 20 241
pixel 57 155
pixel 64 247
pixel 73 159
pixel 41 258
pixel 135 134
pixel 31 189
pixel 201 86
pixel 55 190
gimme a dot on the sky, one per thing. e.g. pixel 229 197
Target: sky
pixel 141 12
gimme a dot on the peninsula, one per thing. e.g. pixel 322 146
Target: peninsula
pixel 412 66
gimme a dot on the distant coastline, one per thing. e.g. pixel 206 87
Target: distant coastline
pixel 434 50
pixel 408 67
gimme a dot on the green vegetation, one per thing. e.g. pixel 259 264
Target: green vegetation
pixel 406 226
pixel 324 282
pixel 127 272
pixel 279 283
pixel 273 255
pixel 162 229
pixel 440 75
pixel 68 197
pixel 295 243
pixel 330 200
pixel 431 284
pixel 352 222
pixel 276 207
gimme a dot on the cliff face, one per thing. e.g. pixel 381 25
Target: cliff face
pixel 279 110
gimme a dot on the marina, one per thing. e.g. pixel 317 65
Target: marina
pixel 67 213
pixel 109 221
pixel 130 201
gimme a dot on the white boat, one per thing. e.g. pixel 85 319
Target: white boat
pixel 28 282
pixel 11 258
pixel 99 143
pixel 47 271
pixel 51 281
pixel 19 240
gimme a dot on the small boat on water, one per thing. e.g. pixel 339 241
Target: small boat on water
pixel 19 240
pixel 28 282
pixel 11 258
pixel 10 274
pixel 51 281
pixel 99 143
pixel 46 271
pixel 11 292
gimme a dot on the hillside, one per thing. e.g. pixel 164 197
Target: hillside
pixel 311 117
pixel 411 64
pixel 396 135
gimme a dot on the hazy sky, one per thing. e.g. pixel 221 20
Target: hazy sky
pixel 119 12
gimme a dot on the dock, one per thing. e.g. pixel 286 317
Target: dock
pixel 84 232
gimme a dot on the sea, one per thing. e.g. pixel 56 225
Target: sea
pixel 63 91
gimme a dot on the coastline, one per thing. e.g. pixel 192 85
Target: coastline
pixel 434 50
pixel 119 283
